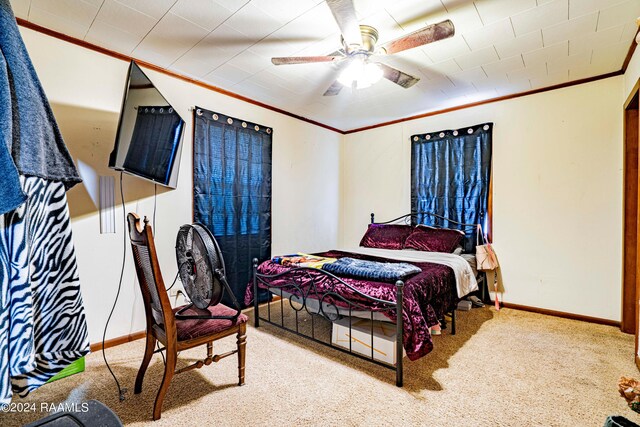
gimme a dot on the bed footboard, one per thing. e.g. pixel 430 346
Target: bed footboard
pixel 309 298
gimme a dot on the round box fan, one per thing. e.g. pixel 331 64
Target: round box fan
pixel 202 272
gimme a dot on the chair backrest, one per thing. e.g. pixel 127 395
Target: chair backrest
pixel 154 294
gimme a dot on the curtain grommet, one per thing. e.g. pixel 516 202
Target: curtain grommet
pixel 230 120
pixel 441 134
pixel 244 124
pixel 198 111
pixel 455 133
pixel 146 110
pixel 257 128
pixel 269 131
pixel 470 131
pixel 161 110
pixel 214 116
pixel 427 137
pixel 415 138
pixel 485 127
pixel 171 110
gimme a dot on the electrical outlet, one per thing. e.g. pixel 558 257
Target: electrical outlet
pixel 177 297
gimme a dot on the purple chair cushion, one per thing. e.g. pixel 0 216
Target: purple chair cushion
pixel 194 328
pixel 431 239
pixel 385 236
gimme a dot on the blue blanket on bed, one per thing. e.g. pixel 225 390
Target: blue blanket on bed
pixel 371 270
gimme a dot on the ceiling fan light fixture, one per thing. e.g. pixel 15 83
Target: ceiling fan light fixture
pixel 359 43
pixel 352 72
pixel 372 72
pixel 362 73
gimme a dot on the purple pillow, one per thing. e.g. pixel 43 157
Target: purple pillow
pixel 431 239
pixel 385 236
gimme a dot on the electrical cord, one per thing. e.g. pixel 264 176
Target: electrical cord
pixel 174 280
pixel 164 361
pixel 121 391
pixel 155 196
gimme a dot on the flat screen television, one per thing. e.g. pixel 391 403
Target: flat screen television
pixel 149 136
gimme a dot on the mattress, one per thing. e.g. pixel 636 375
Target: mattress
pixel 465 276
pixel 471 259
pixel 427 295
pixel 461 270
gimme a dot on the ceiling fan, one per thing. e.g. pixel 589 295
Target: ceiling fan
pixel 357 61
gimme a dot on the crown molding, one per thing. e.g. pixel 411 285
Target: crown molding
pixel 489 101
pixel 630 52
pixel 38 28
pixel 145 64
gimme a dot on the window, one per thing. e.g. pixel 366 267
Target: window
pixel 232 190
pixel 450 176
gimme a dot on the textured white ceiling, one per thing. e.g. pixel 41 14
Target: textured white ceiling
pixel 501 47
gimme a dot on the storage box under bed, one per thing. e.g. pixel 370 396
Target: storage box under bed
pixel 360 336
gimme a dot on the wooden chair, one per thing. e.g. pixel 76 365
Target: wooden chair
pixel 176 335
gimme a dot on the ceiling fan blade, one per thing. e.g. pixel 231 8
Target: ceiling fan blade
pixel 345 15
pixel 432 33
pixel 334 89
pixel 336 86
pixel 285 60
pixel 398 77
pixel 339 52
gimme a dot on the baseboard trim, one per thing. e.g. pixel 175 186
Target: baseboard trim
pixel 141 334
pixel 118 340
pixel 562 314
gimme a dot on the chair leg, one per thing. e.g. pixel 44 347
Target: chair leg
pixel 209 353
pixel 148 353
pixel 242 343
pixel 169 371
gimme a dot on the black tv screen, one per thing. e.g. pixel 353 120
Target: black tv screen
pixel 149 136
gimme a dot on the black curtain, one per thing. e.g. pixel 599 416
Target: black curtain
pixel 154 143
pixel 450 175
pixel 232 191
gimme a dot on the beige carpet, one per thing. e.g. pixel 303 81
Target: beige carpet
pixel 510 368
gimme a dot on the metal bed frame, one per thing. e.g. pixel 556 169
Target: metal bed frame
pixel 408 218
pixel 332 305
pixel 328 307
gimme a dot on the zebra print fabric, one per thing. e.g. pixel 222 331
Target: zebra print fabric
pixel 42 321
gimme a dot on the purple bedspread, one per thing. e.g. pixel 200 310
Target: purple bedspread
pixel 427 296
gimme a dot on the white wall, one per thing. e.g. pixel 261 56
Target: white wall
pixel 557 183
pixel 557 171
pixel 85 89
